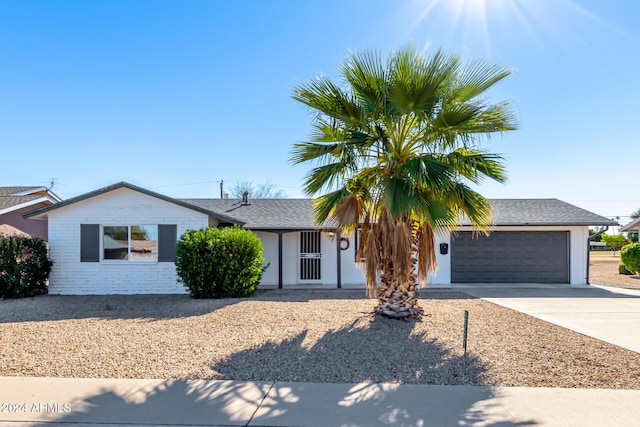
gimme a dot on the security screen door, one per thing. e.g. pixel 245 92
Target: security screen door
pixel 310 256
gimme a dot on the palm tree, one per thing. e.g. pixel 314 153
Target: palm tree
pixel 395 148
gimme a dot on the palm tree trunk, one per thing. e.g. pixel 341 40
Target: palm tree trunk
pixel 398 298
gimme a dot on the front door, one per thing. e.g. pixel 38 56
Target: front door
pixel 310 256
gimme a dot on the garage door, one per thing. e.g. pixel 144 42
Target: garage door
pixel 510 257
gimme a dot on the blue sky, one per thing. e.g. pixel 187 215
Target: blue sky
pixel 175 96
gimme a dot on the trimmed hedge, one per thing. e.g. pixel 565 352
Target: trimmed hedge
pixel 219 262
pixel 630 257
pixel 24 267
pixel 623 270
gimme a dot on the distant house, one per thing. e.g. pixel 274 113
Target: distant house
pixel 15 201
pixel 121 240
pixel 632 227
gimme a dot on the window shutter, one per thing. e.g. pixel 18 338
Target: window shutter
pixel 167 238
pixel 89 242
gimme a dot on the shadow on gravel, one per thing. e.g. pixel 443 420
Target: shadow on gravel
pixel 157 307
pixel 366 373
pixel 371 349
pixel 303 295
pixel 62 307
pixel 361 375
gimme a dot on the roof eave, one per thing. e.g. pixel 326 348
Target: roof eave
pixel 289 229
pixel 550 224
pixel 631 227
pixel 41 213
pixel 26 204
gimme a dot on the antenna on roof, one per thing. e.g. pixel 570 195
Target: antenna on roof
pixel 53 181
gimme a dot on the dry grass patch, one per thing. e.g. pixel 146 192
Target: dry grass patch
pixel 603 271
pixel 301 336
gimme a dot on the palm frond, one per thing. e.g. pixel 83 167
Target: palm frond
pixel 367 75
pixel 427 170
pixel 305 151
pixel 347 214
pixel 476 164
pixel 417 83
pixel 326 177
pixel 426 251
pixel 463 199
pixel 476 78
pixel 399 196
pixel 402 250
pixel 323 95
pixel 324 206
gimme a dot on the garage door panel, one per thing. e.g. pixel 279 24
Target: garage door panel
pixel 510 256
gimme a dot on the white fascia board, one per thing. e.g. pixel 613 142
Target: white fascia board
pixel 29 192
pixel 27 204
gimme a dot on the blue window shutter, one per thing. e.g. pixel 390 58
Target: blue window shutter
pixel 167 239
pixel 89 242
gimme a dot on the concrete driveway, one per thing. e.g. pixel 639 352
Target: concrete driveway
pixel 608 314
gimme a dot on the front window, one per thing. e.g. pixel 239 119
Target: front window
pixel 130 242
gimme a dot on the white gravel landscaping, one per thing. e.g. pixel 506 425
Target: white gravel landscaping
pixel 300 336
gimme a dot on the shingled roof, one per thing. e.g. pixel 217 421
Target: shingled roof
pixel 632 226
pixel 259 214
pixel 265 214
pixel 541 212
pixel 41 213
pixel 11 191
pixel 15 196
pixel 297 214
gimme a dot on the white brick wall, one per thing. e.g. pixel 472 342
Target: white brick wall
pixel 120 207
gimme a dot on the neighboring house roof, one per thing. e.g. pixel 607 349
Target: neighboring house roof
pixel 42 213
pixel 9 230
pixel 541 212
pixel 18 197
pixel 632 226
pixel 266 214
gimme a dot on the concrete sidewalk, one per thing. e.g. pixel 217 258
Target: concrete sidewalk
pixel 108 402
pixel 608 314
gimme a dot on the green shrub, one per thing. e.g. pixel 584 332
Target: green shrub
pixel 219 262
pixel 630 257
pixel 24 267
pixel 623 270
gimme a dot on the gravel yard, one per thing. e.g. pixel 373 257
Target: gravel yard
pixel 300 336
pixel 603 271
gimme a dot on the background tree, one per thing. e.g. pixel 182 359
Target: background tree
pixel 594 231
pixel 396 145
pixel 257 191
pixel 615 241
pixel 635 214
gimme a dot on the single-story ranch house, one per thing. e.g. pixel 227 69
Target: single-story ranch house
pixel 121 240
pixel 632 227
